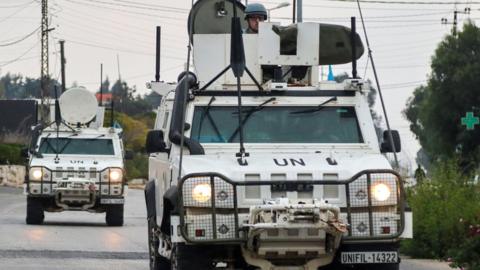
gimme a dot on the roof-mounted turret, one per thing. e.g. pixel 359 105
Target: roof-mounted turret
pixel 279 56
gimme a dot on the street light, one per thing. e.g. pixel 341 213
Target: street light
pixel 281 5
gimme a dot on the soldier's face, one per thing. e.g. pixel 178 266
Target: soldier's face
pixel 253 22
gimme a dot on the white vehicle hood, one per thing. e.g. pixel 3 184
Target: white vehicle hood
pixel 291 165
pixel 75 162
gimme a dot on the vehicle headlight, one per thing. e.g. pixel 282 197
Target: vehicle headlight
pixel 202 193
pixel 381 192
pixel 35 174
pixel 115 175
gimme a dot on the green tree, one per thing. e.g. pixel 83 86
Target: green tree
pixel 436 109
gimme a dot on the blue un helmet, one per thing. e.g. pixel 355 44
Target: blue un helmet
pixel 255 9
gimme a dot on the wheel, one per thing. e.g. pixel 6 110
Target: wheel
pixel 394 266
pixel 35 213
pixel 186 257
pixel 114 215
pixel 157 262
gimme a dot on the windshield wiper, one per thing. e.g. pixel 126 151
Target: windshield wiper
pixel 209 116
pixel 250 113
pixel 318 108
pixel 67 143
pixel 43 140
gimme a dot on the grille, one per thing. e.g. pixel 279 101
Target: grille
pixel 209 203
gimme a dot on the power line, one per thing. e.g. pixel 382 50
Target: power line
pixel 19 40
pixel 20 5
pixel 185 10
pixel 23 7
pixel 118 49
pixel 409 3
pixel 123 10
pixel 18 58
pixel 76 13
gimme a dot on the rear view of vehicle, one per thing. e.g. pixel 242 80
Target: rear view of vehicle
pixel 75 163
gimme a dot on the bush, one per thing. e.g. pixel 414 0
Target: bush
pixel 10 154
pixel 467 255
pixel 438 204
pixel 137 167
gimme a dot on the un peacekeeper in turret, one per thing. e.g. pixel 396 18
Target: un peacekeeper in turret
pixel 254 13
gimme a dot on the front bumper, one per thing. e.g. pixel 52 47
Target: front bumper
pixel 367 218
pixel 76 189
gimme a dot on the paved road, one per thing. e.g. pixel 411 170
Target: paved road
pixel 80 240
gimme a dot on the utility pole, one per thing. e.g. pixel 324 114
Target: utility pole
pixel 44 74
pixel 62 59
pixel 455 20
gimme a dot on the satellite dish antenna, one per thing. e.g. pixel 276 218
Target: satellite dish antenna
pixel 214 17
pixel 78 106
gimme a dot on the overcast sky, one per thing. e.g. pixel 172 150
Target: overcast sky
pixel 403 36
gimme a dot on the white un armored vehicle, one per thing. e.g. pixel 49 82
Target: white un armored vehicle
pixel 75 163
pixel 310 187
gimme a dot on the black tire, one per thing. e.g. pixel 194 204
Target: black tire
pixel 185 257
pixel 157 262
pixel 394 266
pixel 35 213
pixel 114 215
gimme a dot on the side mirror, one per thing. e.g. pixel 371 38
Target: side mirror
pixel 24 152
pixel 155 142
pixel 386 146
pixel 128 155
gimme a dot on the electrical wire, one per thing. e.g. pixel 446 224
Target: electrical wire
pixel 123 10
pixel 379 90
pixel 20 5
pixel 16 12
pixel 100 46
pixel 21 39
pixel 407 2
pixel 22 55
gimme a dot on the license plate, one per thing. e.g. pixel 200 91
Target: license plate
pixel 291 187
pixel 369 257
pixel 112 201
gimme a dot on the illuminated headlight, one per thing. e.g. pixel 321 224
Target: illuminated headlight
pixel 202 193
pixel 381 192
pixel 35 174
pixel 116 175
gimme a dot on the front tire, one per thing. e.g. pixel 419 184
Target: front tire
pixel 35 214
pixel 394 266
pixel 114 215
pixel 157 262
pixel 185 257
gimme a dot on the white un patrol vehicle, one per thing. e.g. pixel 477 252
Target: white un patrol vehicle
pixel 274 169
pixel 75 163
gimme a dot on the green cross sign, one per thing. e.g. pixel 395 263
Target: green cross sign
pixel 470 121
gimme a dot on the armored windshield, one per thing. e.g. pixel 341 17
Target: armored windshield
pixel 288 124
pixel 75 146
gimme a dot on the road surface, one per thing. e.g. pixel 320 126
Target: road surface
pixel 81 240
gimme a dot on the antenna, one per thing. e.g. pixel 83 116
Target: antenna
pixel 118 68
pixel 58 121
pixel 294 10
pixel 390 136
pixel 157 60
pixel 353 42
pixel 299 11
pixel 100 102
pixel 237 63
pixel 62 60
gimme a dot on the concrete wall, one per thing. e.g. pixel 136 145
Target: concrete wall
pixel 12 175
